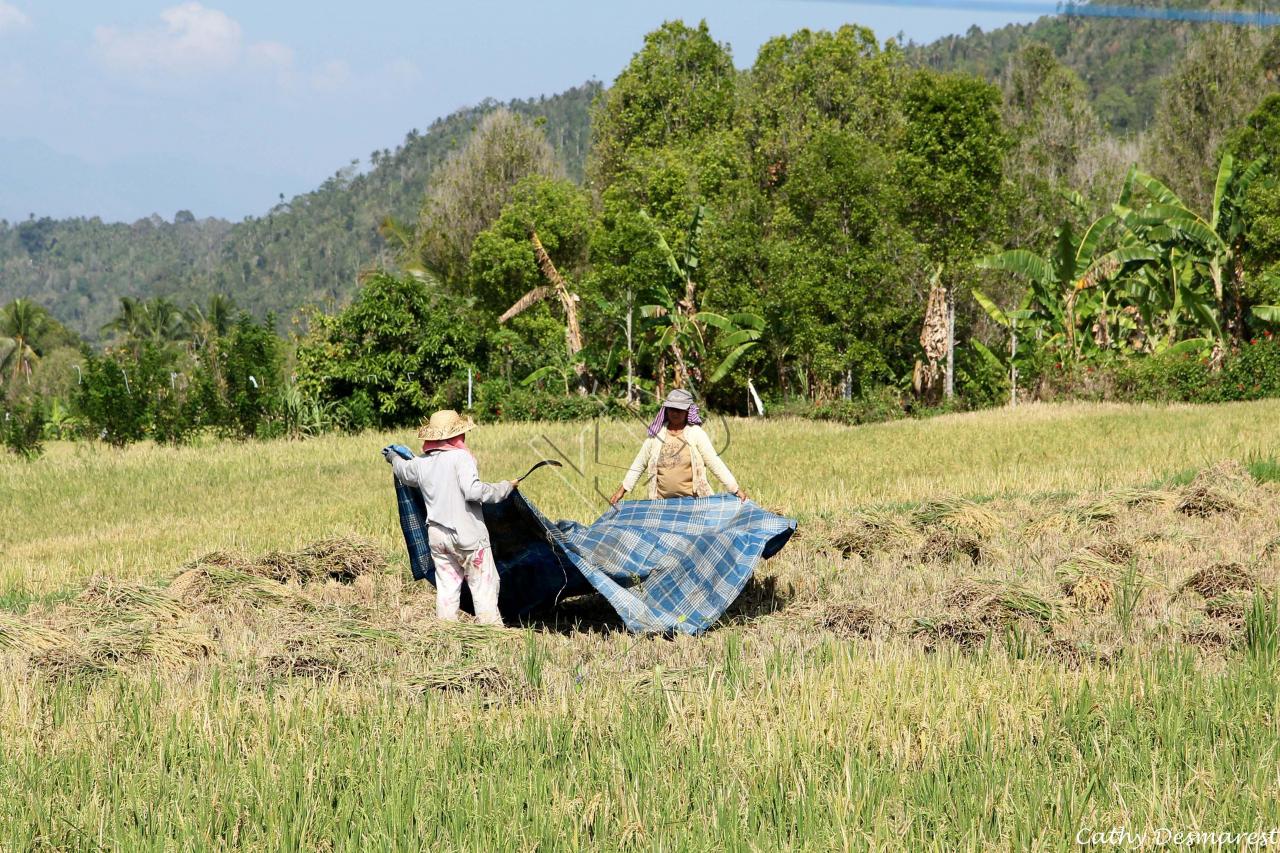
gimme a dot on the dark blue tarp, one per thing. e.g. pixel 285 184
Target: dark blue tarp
pixel 664 565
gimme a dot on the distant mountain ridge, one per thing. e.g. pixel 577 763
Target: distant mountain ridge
pixel 307 250
pixel 1121 61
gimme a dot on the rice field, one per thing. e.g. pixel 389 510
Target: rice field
pixel 1003 630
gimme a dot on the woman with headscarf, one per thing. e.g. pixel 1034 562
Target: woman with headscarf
pixel 677 455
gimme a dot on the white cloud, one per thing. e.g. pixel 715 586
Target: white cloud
pixel 11 17
pixel 271 54
pixel 332 77
pixel 403 72
pixel 191 39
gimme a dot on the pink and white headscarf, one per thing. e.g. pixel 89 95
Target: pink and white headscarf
pixel 457 442
pixel 660 420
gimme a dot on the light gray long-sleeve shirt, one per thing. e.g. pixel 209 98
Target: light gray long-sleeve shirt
pixel 453 492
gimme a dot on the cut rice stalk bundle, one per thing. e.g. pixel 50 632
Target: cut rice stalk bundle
pixel 1218 489
pixel 465 632
pixel 963 631
pixel 143 641
pixel 1113 551
pixel 345 560
pixel 24 635
pixel 943 545
pixel 64 663
pixel 1089 575
pixel 961 516
pixel 1133 498
pixel 105 598
pixel 486 680
pixel 1210 636
pixel 339 559
pixel 1213 581
pixel 1074 655
pixel 1230 607
pixel 214 585
pixel 1000 602
pixel 304 666
pixel 850 621
pixel 866 534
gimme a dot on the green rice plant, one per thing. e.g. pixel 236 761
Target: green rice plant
pixel 1127 595
pixel 1262 629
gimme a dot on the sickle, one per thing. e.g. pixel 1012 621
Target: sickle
pixel 552 462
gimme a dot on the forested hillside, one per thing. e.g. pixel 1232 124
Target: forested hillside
pixel 1120 61
pixel 305 250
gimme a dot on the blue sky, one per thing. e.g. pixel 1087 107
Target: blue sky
pixel 130 107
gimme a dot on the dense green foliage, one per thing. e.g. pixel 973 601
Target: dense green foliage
pixel 396 352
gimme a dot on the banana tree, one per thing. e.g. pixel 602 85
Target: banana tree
pixel 1073 284
pixel 1214 246
pixel 683 269
pixel 683 337
pixel 1167 298
pixel 1011 321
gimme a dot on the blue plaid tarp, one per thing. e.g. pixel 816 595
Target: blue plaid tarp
pixel 665 566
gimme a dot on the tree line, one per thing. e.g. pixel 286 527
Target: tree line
pixel 833 230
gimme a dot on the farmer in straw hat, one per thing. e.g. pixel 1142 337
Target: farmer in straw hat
pixel 677 454
pixel 447 476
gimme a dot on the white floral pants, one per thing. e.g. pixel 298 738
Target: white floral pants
pixel 453 565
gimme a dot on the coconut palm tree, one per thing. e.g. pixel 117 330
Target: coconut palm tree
pixel 21 323
pixel 156 321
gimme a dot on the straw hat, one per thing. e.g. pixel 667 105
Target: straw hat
pixel 445 424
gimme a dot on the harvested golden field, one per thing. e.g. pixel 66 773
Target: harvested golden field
pixel 991 631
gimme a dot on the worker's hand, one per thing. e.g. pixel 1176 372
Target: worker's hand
pixel 515 484
pixel 741 493
pixel 617 496
pixel 389 454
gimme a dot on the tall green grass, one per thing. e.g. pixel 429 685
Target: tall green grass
pixel 839 751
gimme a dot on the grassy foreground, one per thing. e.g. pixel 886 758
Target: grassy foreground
pixel 994 631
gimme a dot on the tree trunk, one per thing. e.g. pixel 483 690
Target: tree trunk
pixel 951 343
pixel 1237 299
pixel 572 331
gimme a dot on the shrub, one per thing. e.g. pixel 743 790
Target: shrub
pixel 1252 372
pixel 115 398
pixel 250 367
pixel 1166 378
pixel 391 356
pixel 22 427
